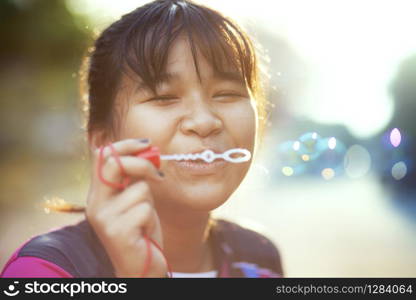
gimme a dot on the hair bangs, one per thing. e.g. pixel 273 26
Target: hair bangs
pixel 146 44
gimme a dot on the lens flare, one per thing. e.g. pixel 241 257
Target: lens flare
pixel 305 157
pixel 395 137
pixel 328 173
pixel 357 161
pixel 332 154
pixel 288 156
pixel 332 143
pixel 310 154
pixel 399 170
pixel 287 171
pixel 309 142
pixel 296 145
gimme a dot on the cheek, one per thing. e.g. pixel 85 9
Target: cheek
pixel 241 122
pixel 142 122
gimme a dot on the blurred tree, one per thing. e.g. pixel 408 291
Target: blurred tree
pixel 41 32
pixel 40 54
pixel 41 47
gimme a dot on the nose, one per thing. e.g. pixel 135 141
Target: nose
pixel 201 119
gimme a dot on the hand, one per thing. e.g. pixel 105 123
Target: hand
pixel 120 218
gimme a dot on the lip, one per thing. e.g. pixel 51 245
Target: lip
pixel 200 167
pixel 215 150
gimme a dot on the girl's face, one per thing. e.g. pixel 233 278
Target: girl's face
pixel 187 116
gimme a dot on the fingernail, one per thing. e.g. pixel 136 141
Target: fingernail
pixel 143 141
pixel 161 174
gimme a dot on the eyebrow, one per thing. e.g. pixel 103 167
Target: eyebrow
pixel 166 78
pixel 232 76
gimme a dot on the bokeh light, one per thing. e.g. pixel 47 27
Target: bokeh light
pixel 399 170
pixel 309 141
pixel 331 154
pixel 395 137
pixel 328 173
pixel 305 157
pixel 296 146
pixel 357 161
pixel 310 154
pixel 332 143
pixel 287 171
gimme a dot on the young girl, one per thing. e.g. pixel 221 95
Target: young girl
pixel 181 77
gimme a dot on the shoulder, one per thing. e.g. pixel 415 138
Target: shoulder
pixel 249 247
pixel 74 248
pixel 32 267
pixel 55 242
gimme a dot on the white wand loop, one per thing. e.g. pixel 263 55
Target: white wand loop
pixel 209 156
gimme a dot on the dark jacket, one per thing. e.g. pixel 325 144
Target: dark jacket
pixel 238 252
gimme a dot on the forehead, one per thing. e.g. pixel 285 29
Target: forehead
pixel 182 65
pixel 181 61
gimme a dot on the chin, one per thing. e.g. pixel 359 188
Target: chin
pixel 205 201
pixel 201 197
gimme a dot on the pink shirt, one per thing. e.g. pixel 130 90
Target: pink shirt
pixel 31 267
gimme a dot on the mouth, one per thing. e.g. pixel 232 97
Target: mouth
pixel 201 161
pixel 200 167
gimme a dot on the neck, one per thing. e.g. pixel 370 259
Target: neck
pixel 185 240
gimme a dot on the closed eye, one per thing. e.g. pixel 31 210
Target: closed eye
pixel 230 96
pixel 165 98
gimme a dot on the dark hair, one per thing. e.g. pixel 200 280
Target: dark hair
pixel 140 41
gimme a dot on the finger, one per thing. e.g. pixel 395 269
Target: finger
pixel 138 220
pixel 133 167
pixel 133 195
pixel 129 224
pixel 124 147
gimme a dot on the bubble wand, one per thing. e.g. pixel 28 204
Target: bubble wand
pixel 153 155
